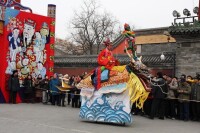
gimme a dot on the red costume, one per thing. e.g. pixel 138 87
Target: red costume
pixel 106 58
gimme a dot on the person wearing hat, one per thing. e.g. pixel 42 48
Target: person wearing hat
pixel 13 86
pixel 106 61
pixel 105 57
pixel 130 37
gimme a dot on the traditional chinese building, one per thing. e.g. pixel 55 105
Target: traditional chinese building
pixel 187 35
pixel 150 44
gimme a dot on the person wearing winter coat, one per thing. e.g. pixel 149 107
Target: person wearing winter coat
pixel 38 88
pixel 159 92
pixel 173 86
pixel 29 91
pixel 195 96
pixel 54 90
pixel 184 91
pixel 13 86
pixel 45 88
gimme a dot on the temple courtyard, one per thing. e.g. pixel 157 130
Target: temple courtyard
pixel 39 118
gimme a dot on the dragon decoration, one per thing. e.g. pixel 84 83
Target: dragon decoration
pixel 14 3
pixel 109 91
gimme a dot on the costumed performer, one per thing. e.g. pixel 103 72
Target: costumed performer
pixel 130 38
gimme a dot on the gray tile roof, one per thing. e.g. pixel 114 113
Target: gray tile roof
pixel 91 60
pixel 184 30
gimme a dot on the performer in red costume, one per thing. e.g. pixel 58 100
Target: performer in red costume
pixel 105 61
pixel 106 58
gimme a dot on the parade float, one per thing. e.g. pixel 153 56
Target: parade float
pixel 27 43
pixel 109 91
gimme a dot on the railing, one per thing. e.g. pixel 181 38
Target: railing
pixel 190 21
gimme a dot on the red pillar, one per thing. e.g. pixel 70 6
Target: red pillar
pixel 51 13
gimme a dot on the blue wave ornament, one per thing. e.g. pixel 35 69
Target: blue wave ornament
pixel 104 111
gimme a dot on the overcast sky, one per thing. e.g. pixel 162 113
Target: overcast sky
pixel 140 13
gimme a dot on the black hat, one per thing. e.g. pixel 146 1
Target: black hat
pixel 160 74
pixel 15 71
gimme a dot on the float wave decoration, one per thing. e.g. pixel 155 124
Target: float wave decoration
pixel 103 112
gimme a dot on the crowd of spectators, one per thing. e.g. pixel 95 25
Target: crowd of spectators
pixel 170 97
pixel 173 98
pixel 46 90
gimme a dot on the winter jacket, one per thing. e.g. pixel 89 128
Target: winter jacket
pixel 160 90
pixel 13 84
pixel 173 86
pixel 53 83
pixel 45 83
pixel 28 84
pixel 184 91
pixel 195 91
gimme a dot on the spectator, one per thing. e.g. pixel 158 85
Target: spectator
pixel 13 86
pixel 195 95
pixel 189 80
pixel 173 86
pixel 71 82
pixel 184 91
pixel 45 96
pixel 29 90
pixel 39 88
pixel 75 93
pixel 65 79
pixel 159 93
pixel 148 104
pixel 50 99
pixel 74 96
pixel 54 90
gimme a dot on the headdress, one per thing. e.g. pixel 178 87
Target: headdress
pixel 126 25
pixel 45 25
pixel 107 42
pixel 30 22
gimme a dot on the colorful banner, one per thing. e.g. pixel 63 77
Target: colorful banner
pixel 25 46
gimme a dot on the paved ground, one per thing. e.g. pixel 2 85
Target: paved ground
pixel 38 118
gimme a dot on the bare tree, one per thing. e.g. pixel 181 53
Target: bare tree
pixel 90 27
